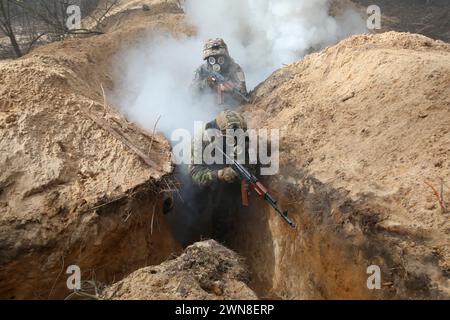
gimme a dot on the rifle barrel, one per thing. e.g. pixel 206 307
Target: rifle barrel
pixel 251 179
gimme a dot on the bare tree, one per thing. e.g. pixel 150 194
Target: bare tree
pixel 27 22
pixel 103 10
pixel 6 24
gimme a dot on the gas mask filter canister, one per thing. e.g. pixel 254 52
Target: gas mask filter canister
pixel 217 62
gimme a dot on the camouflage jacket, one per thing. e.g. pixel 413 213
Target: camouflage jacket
pixel 235 74
pixel 204 175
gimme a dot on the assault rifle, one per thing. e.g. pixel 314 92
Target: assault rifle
pixel 220 80
pixel 249 180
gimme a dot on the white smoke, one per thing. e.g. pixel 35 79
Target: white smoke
pixel 153 77
pixel 265 34
pixel 153 81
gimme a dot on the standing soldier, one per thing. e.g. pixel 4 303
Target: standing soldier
pixel 204 175
pixel 220 73
pixel 217 186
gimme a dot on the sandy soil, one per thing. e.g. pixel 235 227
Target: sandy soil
pixel 72 191
pixel 205 271
pixel 365 173
pixel 364 154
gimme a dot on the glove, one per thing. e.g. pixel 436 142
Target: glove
pixel 211 81
pixel 228 175
pixel 227 86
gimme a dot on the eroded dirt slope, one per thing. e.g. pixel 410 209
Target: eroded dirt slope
pixel 364 152
pixel 72 191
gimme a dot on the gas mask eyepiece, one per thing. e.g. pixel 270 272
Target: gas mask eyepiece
pixel 218 63
pixel 221 60
pixel 212 60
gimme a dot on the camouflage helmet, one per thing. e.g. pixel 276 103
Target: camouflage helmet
pixel 215 47
pixel 230 120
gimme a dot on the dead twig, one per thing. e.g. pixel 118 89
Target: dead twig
pixel 57 277
pixel 86 286
pixel 153 134
pixel 108 8
pixel 105 104
pixel 83 32
pixel 107 203
pixel 348 97
pixel 177 190
pixel 439 196
pixel 82 294
pixel 171 187
pixel 153 216
pixel 128 216
pixel 121 137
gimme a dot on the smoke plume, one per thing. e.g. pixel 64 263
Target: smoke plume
pixel 152 79
pixel 265 34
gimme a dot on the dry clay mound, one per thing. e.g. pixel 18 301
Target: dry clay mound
pixel 205 271
pixel 365 151
pixel 78 183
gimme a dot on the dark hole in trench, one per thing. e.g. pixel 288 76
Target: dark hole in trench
pixel 196 213
pixel 217 213
pixel 199 213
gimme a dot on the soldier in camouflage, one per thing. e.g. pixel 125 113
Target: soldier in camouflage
pixel 217 58
pixel 205 175
pixel 217 187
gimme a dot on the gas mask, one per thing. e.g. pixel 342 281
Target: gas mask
pixel 218 63
pixel 228 143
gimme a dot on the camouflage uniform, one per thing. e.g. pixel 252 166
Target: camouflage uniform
pixel 230 70
pixel 204 175
pixel 214 197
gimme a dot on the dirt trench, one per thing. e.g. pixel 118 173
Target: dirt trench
pixel 329 254
pixel 363 172
pixel 106 245
pixel 72 191
pixel 325 257
pixel 350 216
pixel 318 260
pixel 359 170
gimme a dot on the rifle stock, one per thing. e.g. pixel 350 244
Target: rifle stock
pixel 244 193
pixel 248 179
